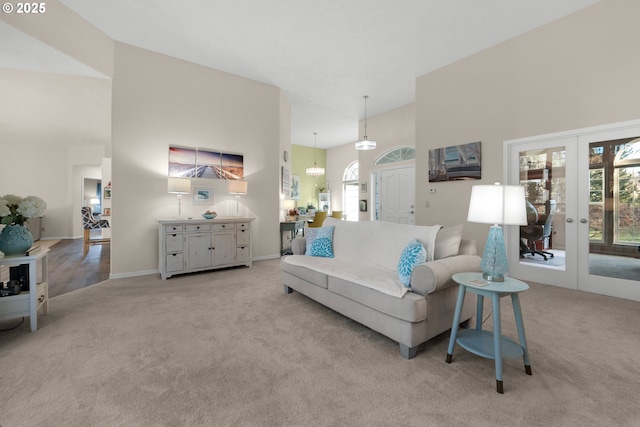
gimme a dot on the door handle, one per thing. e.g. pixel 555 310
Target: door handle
pixel 583 220
pixel 569 220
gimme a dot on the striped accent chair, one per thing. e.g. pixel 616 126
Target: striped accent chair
pixel 90 223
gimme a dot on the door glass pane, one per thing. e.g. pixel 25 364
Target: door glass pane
pixel 542 240
pixel 596 204
pixel 614 208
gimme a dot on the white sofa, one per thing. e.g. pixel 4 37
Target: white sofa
pixel 361 280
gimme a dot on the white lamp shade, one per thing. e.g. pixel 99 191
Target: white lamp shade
pixel 497 204
pixel 179 185
pixel 237 187
pixel 289 204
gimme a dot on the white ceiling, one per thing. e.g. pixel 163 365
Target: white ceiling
pixel 325 55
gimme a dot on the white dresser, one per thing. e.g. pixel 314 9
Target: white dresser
pixel 189 245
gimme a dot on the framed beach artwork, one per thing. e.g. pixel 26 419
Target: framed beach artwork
pixel 202 195
pixel 185 162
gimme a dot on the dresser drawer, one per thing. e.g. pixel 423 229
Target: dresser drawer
pixel 177 228
pixel 243 237
pixel 230 226
pixel 242 253
pixel 197 227
pixel 174 243
pixel 243 226
pixel 174 262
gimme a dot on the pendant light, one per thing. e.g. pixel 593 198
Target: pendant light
pixel 365 144
pixel 315 170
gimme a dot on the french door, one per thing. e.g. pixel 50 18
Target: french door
pixel 583 205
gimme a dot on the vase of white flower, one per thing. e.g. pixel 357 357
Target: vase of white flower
pixel 15 238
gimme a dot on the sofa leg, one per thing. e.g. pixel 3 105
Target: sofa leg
pixel 408 352
pixel 287 290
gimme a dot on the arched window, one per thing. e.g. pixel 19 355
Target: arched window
pixel 350 192
pixel 397 155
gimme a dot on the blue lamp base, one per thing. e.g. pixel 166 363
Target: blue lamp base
pixel 494 263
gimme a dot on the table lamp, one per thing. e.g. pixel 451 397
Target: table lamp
pixel 238 188
pixel 179 186
pixel 498 205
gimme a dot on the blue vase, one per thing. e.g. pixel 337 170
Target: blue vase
pixel 15 240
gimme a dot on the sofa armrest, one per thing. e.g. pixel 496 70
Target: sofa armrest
pixel 436 275
pixel 299 245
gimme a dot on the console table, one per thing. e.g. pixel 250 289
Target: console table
pixel 28 302
pixel 189 245
pixel 293 227
pixel 492 345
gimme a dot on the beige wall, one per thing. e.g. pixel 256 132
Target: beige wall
pixel 338 159
pixel 576 72
pixel 390 130
pixel 155 101
pixel 160 101
pixel 303 157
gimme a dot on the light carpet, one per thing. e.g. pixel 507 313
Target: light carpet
pixel 230 348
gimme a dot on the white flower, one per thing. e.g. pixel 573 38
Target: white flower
pixel 31 207
pixel 16 210
pixel 4 208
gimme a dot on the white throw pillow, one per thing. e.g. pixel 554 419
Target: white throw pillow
pixel 448 241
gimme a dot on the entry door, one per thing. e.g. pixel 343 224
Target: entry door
pixel 590 201
pixel 397 195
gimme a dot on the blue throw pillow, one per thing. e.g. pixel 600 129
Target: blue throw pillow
pixel 413 254
pixel 320 241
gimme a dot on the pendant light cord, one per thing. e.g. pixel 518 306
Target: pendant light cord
pixel 365 116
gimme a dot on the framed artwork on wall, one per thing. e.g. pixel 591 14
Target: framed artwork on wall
pixel 186 162
pixel 363 205
pixel 295 187
pixel 202 195
pixel 458 162
pixel 286 181
pixel 107 191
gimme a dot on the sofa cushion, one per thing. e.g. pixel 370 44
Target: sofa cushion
pixel 309 271
pixel 411 307
pixel 413 254
pixel 448 242
pixel 380 279
pixel 320 242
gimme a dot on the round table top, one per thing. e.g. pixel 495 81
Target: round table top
pixel 475 280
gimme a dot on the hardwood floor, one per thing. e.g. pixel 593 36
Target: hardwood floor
pixel 69 269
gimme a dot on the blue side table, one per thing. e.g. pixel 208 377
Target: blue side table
pixel 491 345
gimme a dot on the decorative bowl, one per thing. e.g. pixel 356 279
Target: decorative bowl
pixel 209 216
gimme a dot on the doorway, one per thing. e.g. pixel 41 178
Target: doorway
pixel 584 201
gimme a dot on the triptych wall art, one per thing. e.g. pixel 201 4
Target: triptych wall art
pixel 200 163
pixel 455 163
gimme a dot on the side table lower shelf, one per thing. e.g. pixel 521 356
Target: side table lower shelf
pixel 480 342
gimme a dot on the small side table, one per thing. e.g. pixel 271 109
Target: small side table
pixel 28 302
pixel 492 345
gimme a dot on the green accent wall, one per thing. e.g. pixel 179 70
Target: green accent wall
pixel 301 158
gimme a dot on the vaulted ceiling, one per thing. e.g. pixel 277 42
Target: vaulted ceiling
pixel 325 55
